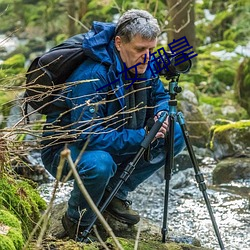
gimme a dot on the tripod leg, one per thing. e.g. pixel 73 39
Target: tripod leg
pixel 199 176
pixel 168 173
pixel 129 169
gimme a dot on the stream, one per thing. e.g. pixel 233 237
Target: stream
pixel 187 212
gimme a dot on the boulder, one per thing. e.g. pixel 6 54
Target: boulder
pixel 197 125
pixel 231 169
pixel 150 235
pixel 230 140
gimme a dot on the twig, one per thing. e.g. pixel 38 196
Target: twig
pixel 77 21
pixel 137 236
pixel 99 238
pixel 45 217
pixel 66 154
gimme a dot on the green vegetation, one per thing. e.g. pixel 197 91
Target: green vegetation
pixel 22 201
pixel 238 129
pixel 11 237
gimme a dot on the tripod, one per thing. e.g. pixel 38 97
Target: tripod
pixel 173 90
pixel 169 163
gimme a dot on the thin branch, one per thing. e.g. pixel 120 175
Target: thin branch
pixel 66 154
pixel 77 21
pixel 45 217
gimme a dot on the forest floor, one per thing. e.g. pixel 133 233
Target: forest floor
pixel 149 238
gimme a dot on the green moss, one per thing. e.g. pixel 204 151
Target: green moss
pixel 22 200
pixel 16 237
pixel 229 45
pixel 13 239
pixel 224 75
pixel 9 219
pixel 212 100
pixel 16 61
pixel 6 243
pixel 239 128
pixel 236 125
pixel 128 244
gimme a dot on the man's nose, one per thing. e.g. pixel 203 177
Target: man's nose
pixel 146 56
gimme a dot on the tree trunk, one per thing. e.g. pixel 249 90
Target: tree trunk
pixel 181 21
pixel 83 7
pixel 71 6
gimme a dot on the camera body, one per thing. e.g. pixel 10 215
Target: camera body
pixel 175 66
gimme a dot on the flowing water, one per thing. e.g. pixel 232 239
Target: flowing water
pixel 187 212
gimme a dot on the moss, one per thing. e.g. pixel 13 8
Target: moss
pixel 224 75
pixel 22 200
pixel 229 45
pixel 6 243
pixel 9 219
pixel 16 61
pixel 221 132
pixel 128 244
pixel 236 125
pixel 13 239
pixel 16 237
pixel 214 101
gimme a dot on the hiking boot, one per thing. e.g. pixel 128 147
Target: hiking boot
pixel 121 211
pixel 75 231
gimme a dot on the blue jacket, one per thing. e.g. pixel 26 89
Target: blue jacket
pixel 99 115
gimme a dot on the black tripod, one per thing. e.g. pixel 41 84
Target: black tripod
pixel 173 90
pixel 129 169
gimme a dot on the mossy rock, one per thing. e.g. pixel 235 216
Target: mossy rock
pixel 10 231
pixel 128 244
pixel 232 139
pixel 22 200
pixel 219 107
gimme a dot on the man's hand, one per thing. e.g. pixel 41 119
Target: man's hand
pixel 164 128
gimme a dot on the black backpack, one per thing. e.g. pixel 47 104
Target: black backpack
pixel 47 74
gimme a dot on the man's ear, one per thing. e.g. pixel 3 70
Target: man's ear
pixel 118 42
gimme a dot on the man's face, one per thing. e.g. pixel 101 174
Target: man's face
pixel 135 51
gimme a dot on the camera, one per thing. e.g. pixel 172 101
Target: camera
pixel 174 65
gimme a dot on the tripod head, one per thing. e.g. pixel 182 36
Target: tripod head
pixel 174 89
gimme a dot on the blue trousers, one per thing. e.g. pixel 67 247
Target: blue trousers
pixel 100 170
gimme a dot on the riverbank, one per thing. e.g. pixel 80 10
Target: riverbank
pixel 188 215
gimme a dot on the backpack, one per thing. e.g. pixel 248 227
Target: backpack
pixel 47 74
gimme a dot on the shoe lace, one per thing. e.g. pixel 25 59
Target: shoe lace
pixel 127 203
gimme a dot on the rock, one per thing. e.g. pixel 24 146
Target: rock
pixel 149 238
pixel 231 169
pixel 181 179
pixel 197 125
pixel 229 140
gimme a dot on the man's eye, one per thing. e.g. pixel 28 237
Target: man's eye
pixel 140 49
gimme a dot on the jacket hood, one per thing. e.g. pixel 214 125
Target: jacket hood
pixel 98 42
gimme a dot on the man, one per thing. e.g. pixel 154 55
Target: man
pixel 109 114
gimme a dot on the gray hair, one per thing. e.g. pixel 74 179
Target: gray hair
pixel 137 22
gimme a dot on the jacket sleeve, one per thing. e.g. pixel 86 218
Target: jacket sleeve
pixel 88 117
